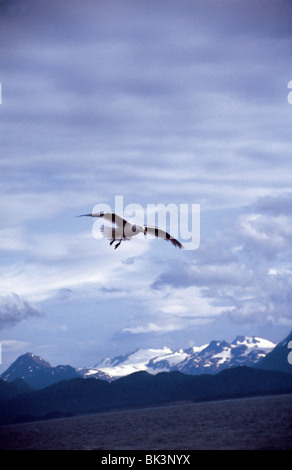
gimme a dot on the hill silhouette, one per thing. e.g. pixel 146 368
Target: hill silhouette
pixel 81 396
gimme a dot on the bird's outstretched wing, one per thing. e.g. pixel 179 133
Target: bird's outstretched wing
pixel 159 233
pixel 111 217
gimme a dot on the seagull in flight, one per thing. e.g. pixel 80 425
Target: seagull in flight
pixel 121 230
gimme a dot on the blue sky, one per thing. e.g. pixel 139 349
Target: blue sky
pixel 159 102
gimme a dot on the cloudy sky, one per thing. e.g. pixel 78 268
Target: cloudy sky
pixel 152 102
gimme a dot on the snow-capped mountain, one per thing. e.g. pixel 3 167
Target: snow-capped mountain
pixel 219 355
pixel 37 372
pixel 25 366
pixel 209 358
pixel 125 364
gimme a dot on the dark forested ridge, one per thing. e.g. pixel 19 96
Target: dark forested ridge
pixel 80 396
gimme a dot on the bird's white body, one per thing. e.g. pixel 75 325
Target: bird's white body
pixel 118 229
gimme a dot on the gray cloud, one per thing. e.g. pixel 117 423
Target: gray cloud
pixel 276 204
pixel 14 309
pixel 246 268
pixel 110 83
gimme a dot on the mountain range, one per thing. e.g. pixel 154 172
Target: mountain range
pixel 70 392
pixel 210 358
